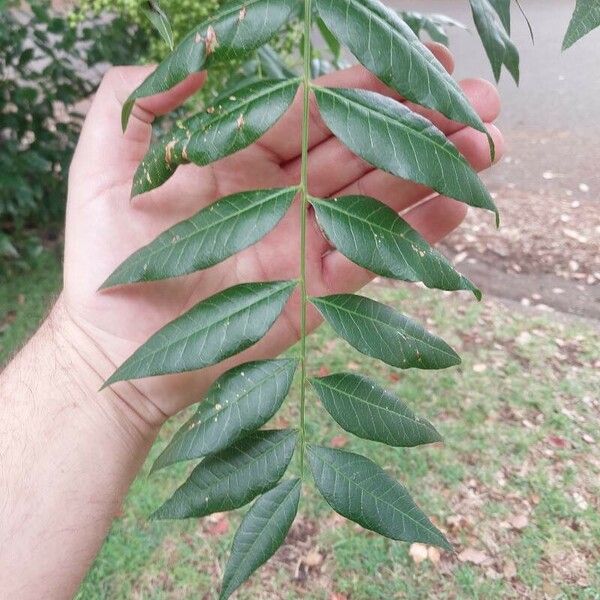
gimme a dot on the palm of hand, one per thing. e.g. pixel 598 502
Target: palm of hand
pixel 104 227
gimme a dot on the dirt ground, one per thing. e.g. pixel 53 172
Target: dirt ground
pixel 544 255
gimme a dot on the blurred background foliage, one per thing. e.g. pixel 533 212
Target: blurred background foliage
pixel 48 65
pixel 52 60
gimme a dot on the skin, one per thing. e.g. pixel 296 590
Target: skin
pixel 70 452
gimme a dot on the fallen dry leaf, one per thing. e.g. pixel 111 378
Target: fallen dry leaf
pixel 473 556
pixel 433 554
pixel 338 441
pixel 456 522
pixel 313 559
pixel 558 442
pixel 519 522
pixel 510 569
pixel 418 552
pixel 218 524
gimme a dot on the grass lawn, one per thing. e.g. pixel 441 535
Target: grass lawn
pixel 516 486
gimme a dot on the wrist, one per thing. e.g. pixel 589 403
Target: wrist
pixel 67 457
pixel 86 364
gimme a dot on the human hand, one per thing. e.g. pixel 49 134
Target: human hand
pixel 104 227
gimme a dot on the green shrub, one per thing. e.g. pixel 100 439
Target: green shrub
pixel 46 67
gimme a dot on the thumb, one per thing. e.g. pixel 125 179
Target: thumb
pixel 102 145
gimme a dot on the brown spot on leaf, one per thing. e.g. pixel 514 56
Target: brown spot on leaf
pixel 240 121
pixel 210 42
pixel 184 152
pixel 198 38
pixel 169 151
pixel 339 441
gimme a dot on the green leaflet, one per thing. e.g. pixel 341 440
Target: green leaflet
pixel 364 408
pixel 586 18
pixel 214 329
pixel 209 237
pixel 272 65
pixel 267 64
pixel 496 41
pixel 260 533
pixel 332 42
pixel 232 478
pixel 361 491
pixel 379 331
pixel 237 28
pixel 240 401
pixel 386 46
pixel 156 15
pixel 232 124
pixel 392 137
pixel 502 8
pixel 373 236
pixel 434 24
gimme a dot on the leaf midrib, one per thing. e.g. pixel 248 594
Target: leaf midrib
pixel 218 222
pixel 237 401
pixel 225 12
pixel 211 121
pixel 168 346
pixel 445 146
pixel 253 460
pixel 333 203
pixel 352 481
pixel 248 552
pixel 387 325
pixel 385 23
pixel 372 404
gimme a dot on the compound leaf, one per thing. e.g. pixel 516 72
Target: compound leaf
pixel 232 124
pixel 214 329
pixel 364 408
pixel 209 237
pixel 237 28
pixel 586 18
pixel 233 477
pixel 373 236
pixel 392 137
pixel 381 332
pixel 239 402
pixel 360 490
pixel 387 46
pixel 261 532
pixel 496 41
